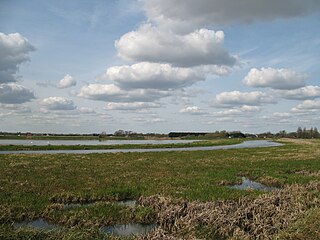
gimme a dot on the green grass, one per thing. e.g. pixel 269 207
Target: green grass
pixel 33 185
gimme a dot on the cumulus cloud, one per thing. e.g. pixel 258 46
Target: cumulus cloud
pixel 275 78
pixel 131 105
pixel 58 104
pixel 151 44
pixel 188 13
pixel 307 106
pixel 13 93
pixel 304 93
pixel 66 82
pixel 14 50
pixel 194 110
pixel 152 75
pixel 236 98
pixel 113 93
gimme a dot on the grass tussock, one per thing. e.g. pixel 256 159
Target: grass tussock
pixel 246 218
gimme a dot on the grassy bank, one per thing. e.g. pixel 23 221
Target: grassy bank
pixel 33 186
pixel 121 146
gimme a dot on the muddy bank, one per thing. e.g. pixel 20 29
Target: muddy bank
pixel 260 218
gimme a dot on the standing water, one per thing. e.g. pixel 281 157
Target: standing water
pixel 124 230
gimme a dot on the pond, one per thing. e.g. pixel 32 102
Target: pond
pixel 117 230
pixel 245 144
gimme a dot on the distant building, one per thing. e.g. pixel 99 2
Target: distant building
pixel 235 135
pixel 184 134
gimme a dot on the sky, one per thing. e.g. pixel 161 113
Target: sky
pixel 82 66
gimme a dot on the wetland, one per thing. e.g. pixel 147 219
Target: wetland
pixel 179 194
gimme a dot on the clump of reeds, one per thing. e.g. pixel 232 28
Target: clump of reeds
pixel 246 218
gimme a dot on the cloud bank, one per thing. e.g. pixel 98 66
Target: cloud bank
pixel 58 104
pixel 13 93
pixel 151 44
pixel 188 13
pixel 236 98
pixel 14 50
pixel 152 75
pixel 274 78
pixel 304 93
pixel 131 106
pixel 113 93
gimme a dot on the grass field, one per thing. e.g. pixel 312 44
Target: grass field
pixel 183 192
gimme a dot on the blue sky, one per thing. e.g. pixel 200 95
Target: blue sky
pixel 159 65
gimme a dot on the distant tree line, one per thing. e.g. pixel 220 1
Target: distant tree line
pixel 300 133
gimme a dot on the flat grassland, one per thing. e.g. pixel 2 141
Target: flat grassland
pixel 185 193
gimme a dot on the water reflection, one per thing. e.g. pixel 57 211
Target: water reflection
pixel 245 144
pixel 39 224
pixel 248 184
pixel 26 142
pixel 128 229
pixel 128 203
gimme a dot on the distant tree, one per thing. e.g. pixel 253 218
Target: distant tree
pixel 304 133
pixel 299 132
pixel 119 133
pixel 311 133
pixel 282 133
pixel 315 133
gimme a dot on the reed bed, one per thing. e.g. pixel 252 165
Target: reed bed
pixel 246 218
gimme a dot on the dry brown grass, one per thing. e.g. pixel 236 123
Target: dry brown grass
pixel 260 218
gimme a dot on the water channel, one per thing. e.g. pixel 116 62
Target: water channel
pixel 31 142
pixel 245 144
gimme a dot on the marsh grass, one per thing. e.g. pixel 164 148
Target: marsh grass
pixel 36 186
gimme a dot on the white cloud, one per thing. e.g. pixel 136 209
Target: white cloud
pixel 13 93
pixel 113 93
pixel 151 44
pixel 307 106
pixel 236 98
pixel 85 110
pixel 274 78
pixel 239 111
pixel 304 93
pixel 146 75
pixel 66 82
pixel 184 14
pixel 131 106
pixel 149 120
pixel 14 50
pixel 14 110
pixel 194 110
pixel 282 114
pixel 57 104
